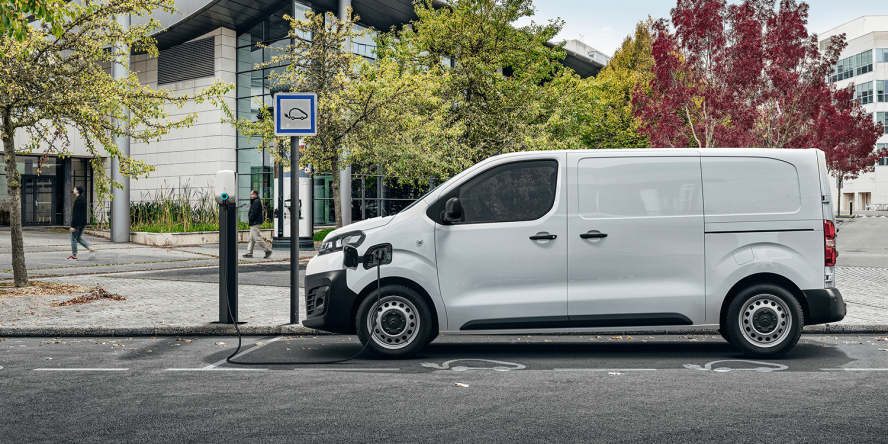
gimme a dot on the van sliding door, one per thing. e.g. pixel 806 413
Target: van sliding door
pixel 635 233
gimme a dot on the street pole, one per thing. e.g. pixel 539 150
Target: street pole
pixel 294 230
pixel 120 197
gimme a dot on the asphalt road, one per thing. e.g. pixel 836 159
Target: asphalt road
pixel 863 242
pixel 520 389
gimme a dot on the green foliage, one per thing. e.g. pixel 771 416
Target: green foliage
pixel 52 13
pixel 320 235
pixel 612 124
pixel 496 88
pixel 352 94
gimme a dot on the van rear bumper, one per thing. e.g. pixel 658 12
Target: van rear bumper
pixel 824 305
pixel 328 302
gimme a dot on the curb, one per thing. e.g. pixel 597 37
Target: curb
pixel 276 330
pixel 197 330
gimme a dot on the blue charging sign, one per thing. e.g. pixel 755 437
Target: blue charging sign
pixel 295 114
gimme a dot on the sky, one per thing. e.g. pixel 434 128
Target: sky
pixel 603 24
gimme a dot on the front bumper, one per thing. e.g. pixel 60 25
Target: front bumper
pixel 329 302
pixel 824 305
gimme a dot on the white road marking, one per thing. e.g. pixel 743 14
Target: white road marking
pixel 605 369
pixel 460 368
pixel 214 365
pixel 326 369
pixel 855 369
pixel 81 369
pixel 216 369
pixel 771 366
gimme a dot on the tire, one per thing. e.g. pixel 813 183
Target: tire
pixel 724 334
pixel 764 321
pixel 406 317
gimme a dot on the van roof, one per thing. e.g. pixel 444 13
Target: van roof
pixel 777 153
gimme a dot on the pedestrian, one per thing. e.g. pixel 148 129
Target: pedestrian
pixel 78 223
pixel 256 217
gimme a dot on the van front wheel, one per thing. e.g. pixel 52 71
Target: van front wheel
pixel 764 321
pixel 397 326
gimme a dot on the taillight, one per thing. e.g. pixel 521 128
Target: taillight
pixel 829 243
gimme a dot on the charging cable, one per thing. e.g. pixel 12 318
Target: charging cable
pixel 379 256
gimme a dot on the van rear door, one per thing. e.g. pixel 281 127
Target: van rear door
pixel 635 232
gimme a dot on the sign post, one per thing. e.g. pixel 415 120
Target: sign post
pixel 295 115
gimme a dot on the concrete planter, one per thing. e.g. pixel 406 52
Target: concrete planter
pixel 177 239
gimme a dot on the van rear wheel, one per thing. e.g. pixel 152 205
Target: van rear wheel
pixel 764 321
pixel 398 326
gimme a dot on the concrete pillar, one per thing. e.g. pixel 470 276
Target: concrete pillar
pixel 345 183
pixel 120 203
pixel 67 190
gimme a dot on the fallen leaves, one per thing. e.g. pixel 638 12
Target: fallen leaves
pixel 459 384
pixel 96 294
pixel 38 288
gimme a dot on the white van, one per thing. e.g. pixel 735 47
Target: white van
pixel 739 240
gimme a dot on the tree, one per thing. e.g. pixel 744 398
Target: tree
pixel 51 87
pixel 612 123
pixel 353 95
pixel 749 75
pixel 15 15
pixel 504 87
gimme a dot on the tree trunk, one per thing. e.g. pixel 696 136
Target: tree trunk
pixel 14 203
pixel 337 200
pixel 839 183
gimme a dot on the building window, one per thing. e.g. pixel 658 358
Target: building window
pixel 881 95
pixel 881 55
pixel 863 62
pixel 850 66
pixel 864 93
pixel 882 117
pixel 883 161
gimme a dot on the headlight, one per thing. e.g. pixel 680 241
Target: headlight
pixel 335 243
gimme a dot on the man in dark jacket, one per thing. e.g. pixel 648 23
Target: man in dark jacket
pixel 78 223
pixel 256 217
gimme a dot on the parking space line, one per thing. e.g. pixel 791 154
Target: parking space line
pixel 348 369
pixel 216 369
pixel 855 369
pixel 217 364
pixel 81 369
pixel 605 369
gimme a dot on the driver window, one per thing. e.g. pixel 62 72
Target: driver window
pixel 514 192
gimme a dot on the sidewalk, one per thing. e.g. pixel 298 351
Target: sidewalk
pixel 185 300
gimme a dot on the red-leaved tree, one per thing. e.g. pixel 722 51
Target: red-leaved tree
pixel 750 75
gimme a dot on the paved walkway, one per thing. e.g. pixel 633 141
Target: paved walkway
pixel 182 299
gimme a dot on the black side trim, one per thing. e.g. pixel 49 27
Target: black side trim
pixel 629 320
pixel 824 305
pixel 759 231
pixel 517 323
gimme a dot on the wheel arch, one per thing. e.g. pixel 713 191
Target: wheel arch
pixel 397 280
pixel 762 278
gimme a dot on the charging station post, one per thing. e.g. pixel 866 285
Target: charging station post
pixel 294 229
pixel 295 115
pixel 226 197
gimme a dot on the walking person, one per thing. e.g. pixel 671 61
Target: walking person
pixel 78 223
pixel 256 217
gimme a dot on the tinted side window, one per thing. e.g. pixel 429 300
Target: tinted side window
pixel 639 187
pixel 750 185
pixel 509 193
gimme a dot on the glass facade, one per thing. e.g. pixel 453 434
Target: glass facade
pixel 864 93
pixel 42 180
pixel 881 94
pixel 256 169
pixel 881 55
pixel 853 66
pixel 882 116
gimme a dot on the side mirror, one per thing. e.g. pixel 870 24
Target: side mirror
pixel 452 210
pixel 350 257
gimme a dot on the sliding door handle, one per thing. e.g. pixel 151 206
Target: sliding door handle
pixel 593 235
pixel 543 236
